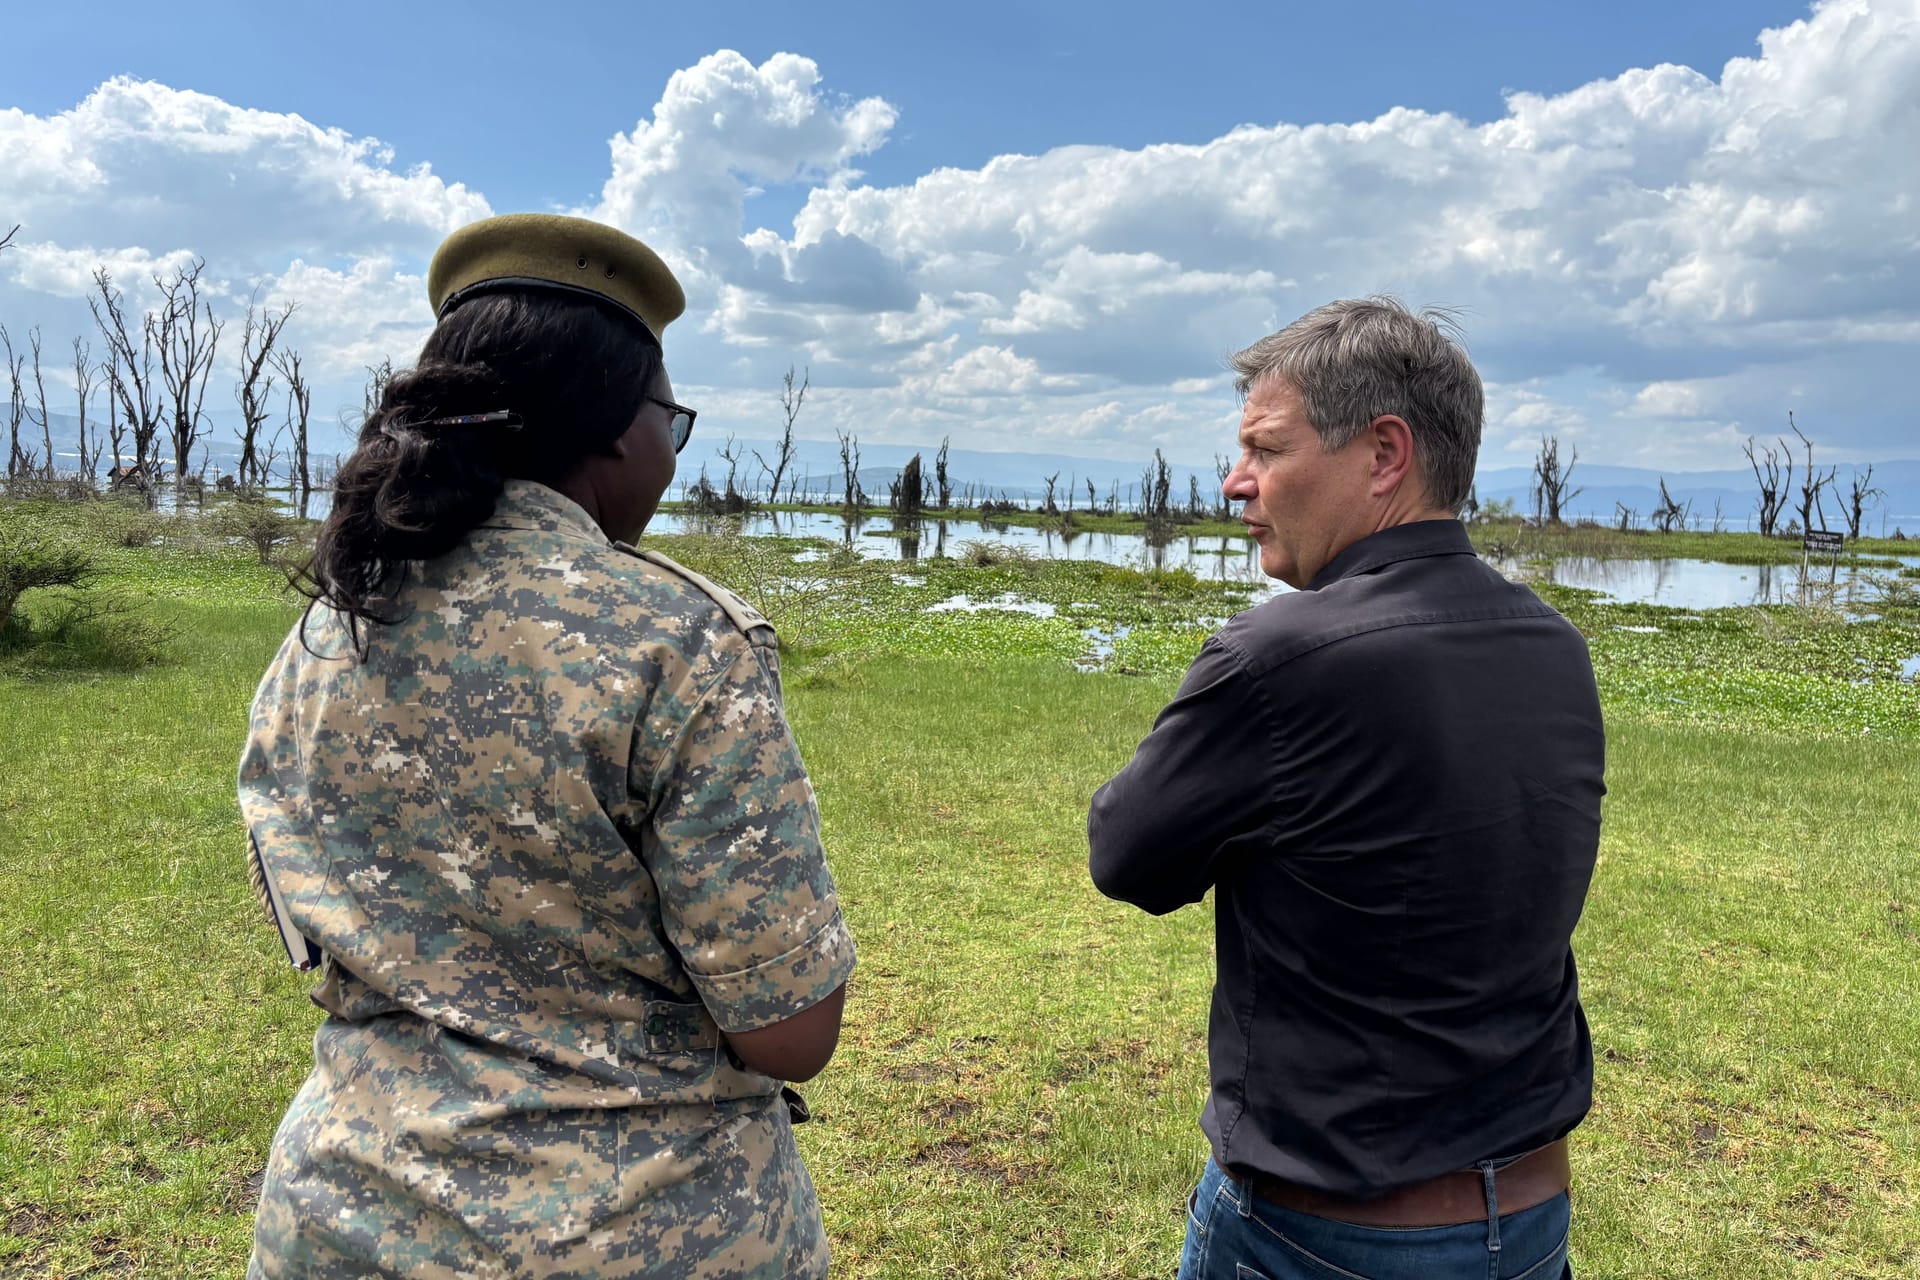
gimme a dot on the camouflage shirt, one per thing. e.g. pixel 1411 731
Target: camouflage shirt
pixel 552 837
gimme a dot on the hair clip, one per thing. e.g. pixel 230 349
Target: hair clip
pixel 505 419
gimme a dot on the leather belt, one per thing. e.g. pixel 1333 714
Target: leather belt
pixel 1445 1201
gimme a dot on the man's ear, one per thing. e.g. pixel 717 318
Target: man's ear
pixel 1392 453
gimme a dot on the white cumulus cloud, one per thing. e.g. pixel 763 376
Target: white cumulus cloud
pixel 1666 251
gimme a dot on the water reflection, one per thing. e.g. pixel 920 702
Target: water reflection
pixel 1681 584
pixel 1703 584
pixel 1219 558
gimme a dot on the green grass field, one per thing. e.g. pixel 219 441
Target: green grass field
pixel 1023 1063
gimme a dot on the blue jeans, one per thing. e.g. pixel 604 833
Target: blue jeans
pixel 1234 1235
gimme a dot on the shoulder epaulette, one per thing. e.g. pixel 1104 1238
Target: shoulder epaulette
pixel 742 614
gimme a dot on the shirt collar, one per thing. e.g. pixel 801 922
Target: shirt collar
pixel 527 504
pixel 1401 542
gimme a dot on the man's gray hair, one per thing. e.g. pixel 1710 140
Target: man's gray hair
pixel 1361 358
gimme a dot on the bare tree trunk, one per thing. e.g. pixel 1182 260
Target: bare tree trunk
pixel 83 371
pixel 1811 484
pixel 40 398
pixel 255 388
pixel 791 398
pixel 16 406
pixel 1669 515
pixel 1773 491
pixel 135 386
pixel 1859 493
pixel 299 410
pixel 850 470
pixel 188 336
pixel 940 474
pixel 1550 480
pixel 904 494
pixel 116 425
pixel 378 376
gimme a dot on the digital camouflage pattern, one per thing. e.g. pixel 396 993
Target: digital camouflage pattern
pixel 552 837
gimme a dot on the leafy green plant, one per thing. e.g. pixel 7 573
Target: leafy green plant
pixel 259 523
pixel 31 559
pixel 88 631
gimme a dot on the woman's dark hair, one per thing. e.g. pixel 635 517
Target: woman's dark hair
pixel 575 374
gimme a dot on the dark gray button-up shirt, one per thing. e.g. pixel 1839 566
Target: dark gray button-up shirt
pixel 1393 780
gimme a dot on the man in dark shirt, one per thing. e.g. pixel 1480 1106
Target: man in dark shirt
pixel 1392 779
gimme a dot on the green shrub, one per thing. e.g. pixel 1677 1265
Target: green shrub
pixel 258 522
pixel 92 631
pixel 33 559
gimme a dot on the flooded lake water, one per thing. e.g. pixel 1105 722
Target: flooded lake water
pixel 1680 584
pixel 1704 584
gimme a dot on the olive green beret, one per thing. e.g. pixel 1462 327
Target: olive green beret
pixel 548 251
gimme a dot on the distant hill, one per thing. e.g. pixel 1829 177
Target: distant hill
pixel 1602 487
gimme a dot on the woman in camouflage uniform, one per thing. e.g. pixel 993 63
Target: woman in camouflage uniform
pixel 528 797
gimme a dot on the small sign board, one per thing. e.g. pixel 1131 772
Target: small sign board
pixel 1825 541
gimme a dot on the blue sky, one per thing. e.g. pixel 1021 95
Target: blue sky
pixel 524 114
pixel 1653 263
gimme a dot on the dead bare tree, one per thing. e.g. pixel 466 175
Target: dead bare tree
pixel 850 471
pixel 940 473
pixel 286 362
pixel 791 398
pixel 1860 492
pixel 1773 486
pixel 135 386
pixel 1156 482
pixel 83 374
pixel 40 400
pixel 7 239
pixel 906 493
pixel 378 376
pixel 1222 506
pixel 18 462
pixel 1091 500
pixel 271 454
pixel 1550 480
pixel 730 453
pixel 1811 483
pixel 186 335
pixel 1670 514
pixel 255 387
pixel 1047 504
pixel 116 425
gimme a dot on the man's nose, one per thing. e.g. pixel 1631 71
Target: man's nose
pixel 1238 486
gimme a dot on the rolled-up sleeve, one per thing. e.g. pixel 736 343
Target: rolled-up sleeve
pixel 745 894
pixel 1156 830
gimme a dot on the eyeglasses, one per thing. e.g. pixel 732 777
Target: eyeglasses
pixel 682 421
